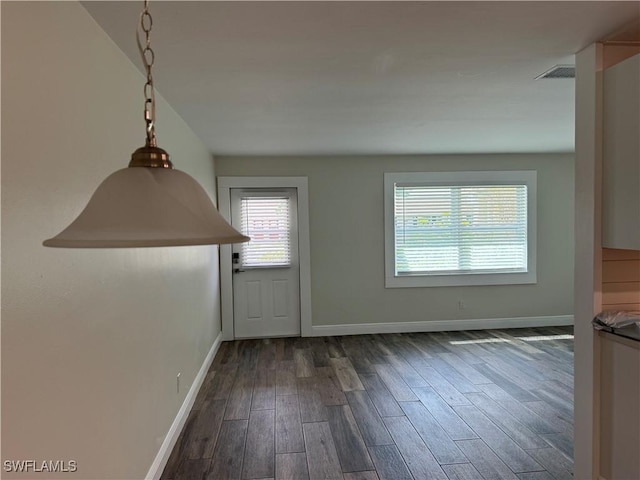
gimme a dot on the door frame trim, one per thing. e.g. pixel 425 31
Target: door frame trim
pixel 301 184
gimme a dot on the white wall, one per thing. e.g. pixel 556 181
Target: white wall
pixel 347 239
pixel 588 259
pixel 92 340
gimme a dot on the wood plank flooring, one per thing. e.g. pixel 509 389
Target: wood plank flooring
pixel 491 404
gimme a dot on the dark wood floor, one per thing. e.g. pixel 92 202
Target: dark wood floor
pixel 494 404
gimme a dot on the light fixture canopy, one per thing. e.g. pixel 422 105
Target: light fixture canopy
pixel 148 204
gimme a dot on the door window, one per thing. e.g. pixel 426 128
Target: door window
pixel 266 220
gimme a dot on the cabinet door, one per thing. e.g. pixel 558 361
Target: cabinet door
pixel 619 412
pixel 621 156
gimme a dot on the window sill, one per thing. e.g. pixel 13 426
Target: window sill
pixel 458 280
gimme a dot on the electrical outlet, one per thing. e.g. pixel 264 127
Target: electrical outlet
pixel 461 305
pixel 178 384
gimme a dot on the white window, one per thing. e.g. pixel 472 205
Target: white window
pixel 460 228
pixel 266 220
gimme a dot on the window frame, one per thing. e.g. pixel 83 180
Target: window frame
pixel 479 178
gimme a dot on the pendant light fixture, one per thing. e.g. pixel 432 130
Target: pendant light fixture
pixel 148 204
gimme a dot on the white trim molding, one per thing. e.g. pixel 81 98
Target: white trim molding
pixel 162 457
pixel 441 325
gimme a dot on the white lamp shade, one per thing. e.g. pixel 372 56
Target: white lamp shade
pixel 147 207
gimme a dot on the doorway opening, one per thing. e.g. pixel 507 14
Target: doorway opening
pixel 265 283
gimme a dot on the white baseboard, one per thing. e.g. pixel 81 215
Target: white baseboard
pixel 171 438
pixel 440 325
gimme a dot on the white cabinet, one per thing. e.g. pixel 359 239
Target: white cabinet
pixel 621 156
pixel 619 407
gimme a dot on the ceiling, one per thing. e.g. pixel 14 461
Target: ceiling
pixel 362 78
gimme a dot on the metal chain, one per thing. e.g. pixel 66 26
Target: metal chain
pixel 148 58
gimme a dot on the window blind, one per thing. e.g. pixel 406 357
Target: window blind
pixel 460 229
pixel 266 220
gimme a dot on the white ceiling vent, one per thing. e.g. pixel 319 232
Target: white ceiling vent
pixel 559 71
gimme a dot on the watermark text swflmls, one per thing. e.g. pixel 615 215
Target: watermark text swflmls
pixel 43 466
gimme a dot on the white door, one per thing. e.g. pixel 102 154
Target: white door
pixel 266 273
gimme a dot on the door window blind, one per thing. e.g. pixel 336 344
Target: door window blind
pixel 266 220
pixel 443 230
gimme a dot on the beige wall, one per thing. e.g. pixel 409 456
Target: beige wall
pixel 347 239
pixel 92 340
